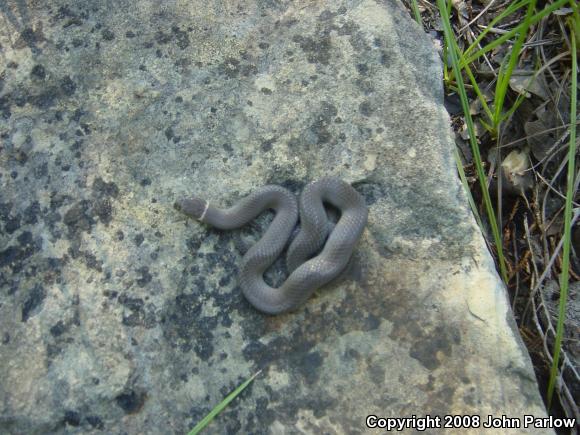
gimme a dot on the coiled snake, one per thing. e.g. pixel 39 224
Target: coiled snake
pixel 307 273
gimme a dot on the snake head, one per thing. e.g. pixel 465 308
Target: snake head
pixel 193 207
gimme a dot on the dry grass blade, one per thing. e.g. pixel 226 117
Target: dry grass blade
pixel 564 277
pixel 505 37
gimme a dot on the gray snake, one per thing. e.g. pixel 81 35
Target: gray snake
pixel 308 271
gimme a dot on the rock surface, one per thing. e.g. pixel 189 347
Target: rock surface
pixel 119 315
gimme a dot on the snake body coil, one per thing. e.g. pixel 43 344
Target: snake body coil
pixel 306 273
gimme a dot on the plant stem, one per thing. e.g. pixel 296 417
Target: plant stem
pixel 567 214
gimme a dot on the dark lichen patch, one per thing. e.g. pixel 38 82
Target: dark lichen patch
pixel 138 239
pixel 95 421
pixel 31 213
pixel 230 67
pixel 327 15
pixel 365 108
pixel 386 58
pixel 72 418
pixel 77 42
pixel 362 68
pixel 107 35
pixel 185 328
pixel 320 403
pixel 366 85
pixel 11 224
pixel 111 294
pixel 16 256
pixel 131 401
pixel 322 122
pixel 91 261
pixel 40 170
pixel 163 38
pixel 293 185
pixel 267 145
pixel 371 191
pixel 103 209
pixel 358 41
pixel 33 302
pixel 181 37
pixel 265 415
pixel 58 329
pixel 44 100
pixel 42 94
pixel 376 373
pixel 64 87
pixel 30 37
pixel 145 277
pixel 317 50
pixel 5 110
pixel 430 346
pixel 102 188
pixel 67 86
pixel 5 209
pixel 38 72
pixel 351 354
pixel 309 367
pixel 77 115
pixel 79 217
pixel 71 17
pixel 277 350
pixel 193 244
pixel 137 313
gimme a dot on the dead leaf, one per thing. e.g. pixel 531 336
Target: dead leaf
pixel 479 130
pixel 527 85
pixel 514 169
pixel 462 11
pixel 538 137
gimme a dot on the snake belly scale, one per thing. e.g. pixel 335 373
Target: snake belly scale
pixel 317 255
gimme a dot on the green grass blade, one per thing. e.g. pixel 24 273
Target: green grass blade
pixel 472 137
pixel 567 212
pixel 506 13
pixel 503 80
pixel 505 37
pixel 416 12
pixel 472 79
pixel 219 408
pixel 519 100
pixel 463 179
pixel 476 87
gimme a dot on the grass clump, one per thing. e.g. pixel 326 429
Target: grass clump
pixel 510 72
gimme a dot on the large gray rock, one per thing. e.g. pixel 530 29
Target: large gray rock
pixel 119 315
